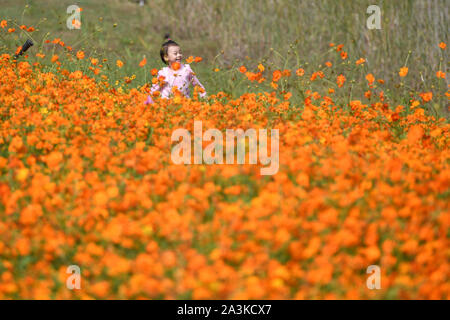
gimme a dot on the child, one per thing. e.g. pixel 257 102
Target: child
pixel 181 78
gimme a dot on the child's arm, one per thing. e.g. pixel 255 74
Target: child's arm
pixel 196 82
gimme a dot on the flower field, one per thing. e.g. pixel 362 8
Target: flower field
pixel 86 179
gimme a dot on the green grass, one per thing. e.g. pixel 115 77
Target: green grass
pixel 231 33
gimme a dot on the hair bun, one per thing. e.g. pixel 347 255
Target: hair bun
pixel 167 36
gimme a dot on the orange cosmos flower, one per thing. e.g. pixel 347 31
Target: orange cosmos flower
pixel 143 62
pixel 154 72
pixel 286 73
pixel 440 74
pixel 360 61
pixel 80 55
pixel 11 30
pixel 190 59
pixel 276 75
pixel 340 80
pixel 198 59
pixel 442 45
pixel 300 72
pixel 3 24
pixel 426 96
pixel 260 67
pixel 328 64
pixel 403 71
pixel 243 69
pixel 55 58
pixel 370 78
pixel 175 66
pixel 119 63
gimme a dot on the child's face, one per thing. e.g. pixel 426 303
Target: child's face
pixel 173 54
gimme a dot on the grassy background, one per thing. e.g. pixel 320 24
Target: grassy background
pixel 230 33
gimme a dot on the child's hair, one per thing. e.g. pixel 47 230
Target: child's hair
pixel 165 46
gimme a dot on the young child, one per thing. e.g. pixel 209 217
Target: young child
pixel 181 78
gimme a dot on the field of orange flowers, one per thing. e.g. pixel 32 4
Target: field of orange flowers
pixel 86 179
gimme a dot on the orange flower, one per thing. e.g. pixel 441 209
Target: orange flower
pixel 198 59
pixel 370 78
pixel 80 55
pixel 190 59
pixel 286 73
pixel 143 62
pixel 403 71
pixel 11 30
pixel 426 96
pixel 243 69
pixel 415 133
pixel 3 24
pixel 23 246
pixel 94 61
pixel 442 45
pixel 340 80
pixel 360 61
pixel 54 159
pixel 154 72
pixel 440 74
pixel 276 75
pixel 300 72
pixel 260 67
pixel 328 64
pixel 119 63
pixel 54 58
pixel 30 214
pixel 175 66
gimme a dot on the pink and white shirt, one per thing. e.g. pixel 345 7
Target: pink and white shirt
pixel 180 78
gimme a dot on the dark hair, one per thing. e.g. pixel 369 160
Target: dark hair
pixel 165 46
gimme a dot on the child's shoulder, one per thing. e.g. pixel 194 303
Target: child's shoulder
pixel 188 66
pixel 164 70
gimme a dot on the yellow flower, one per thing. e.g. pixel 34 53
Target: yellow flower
pixel 22 174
